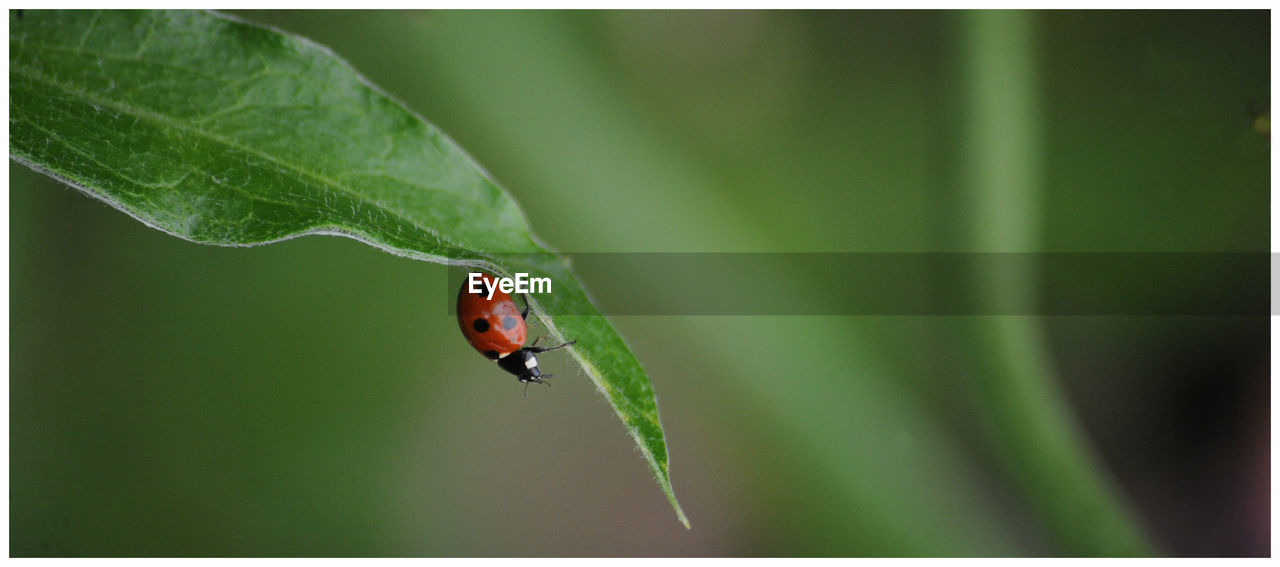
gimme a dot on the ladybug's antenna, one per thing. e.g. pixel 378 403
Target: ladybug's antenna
pixel 541 380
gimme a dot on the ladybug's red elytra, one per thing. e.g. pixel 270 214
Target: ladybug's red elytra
pixel 496 329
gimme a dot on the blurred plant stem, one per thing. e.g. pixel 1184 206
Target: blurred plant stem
pixel 1029 419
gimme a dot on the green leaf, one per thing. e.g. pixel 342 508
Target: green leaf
pixel 223 132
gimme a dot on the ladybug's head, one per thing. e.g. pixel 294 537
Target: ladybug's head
pixel 524 364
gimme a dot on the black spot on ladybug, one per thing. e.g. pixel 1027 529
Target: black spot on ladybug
pixel 508 322
pixel 480 325
pixel 491 354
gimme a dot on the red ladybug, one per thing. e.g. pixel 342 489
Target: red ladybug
pixel 496 329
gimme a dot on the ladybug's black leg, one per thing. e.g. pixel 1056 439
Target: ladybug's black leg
pixel 525 314
pixel 535 349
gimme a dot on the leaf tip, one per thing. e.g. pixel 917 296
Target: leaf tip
pixel 671 495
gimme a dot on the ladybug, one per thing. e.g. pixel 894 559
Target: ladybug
pixel 496 329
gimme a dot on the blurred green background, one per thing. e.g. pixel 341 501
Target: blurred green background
pixel 313 397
